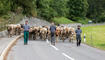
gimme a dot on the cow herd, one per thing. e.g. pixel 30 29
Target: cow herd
pixel 13 29
pixel 43 32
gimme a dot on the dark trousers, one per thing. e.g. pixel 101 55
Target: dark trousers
pixel 26 36
pixel 52 38
pixel 78 37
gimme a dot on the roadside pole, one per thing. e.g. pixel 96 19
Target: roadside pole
pixel 84 37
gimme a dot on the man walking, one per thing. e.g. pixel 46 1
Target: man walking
pixel 26 32
pixel 78 35
pixel 53 30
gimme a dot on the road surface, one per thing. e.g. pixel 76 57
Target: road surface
pixel 42 50
pixel 4 41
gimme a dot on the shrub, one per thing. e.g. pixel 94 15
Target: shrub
pixel 62 20
pixel 81 20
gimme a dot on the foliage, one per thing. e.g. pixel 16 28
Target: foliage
pixel 77 8
pixel 48 9
pixel 96 10
pixel 4 7
pixel 81 20
pixel 51 8
pixel 62 20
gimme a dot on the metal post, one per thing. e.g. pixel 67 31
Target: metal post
pixel 84 38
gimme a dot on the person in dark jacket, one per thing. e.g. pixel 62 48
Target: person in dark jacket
pixel 53 30
pixel 78 35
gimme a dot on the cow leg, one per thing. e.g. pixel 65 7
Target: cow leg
pixel 56 39
pixel 34 36
pixel 63 38
pixel 45 37
pixel 8 34
pixel 70 39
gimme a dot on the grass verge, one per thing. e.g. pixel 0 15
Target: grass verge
pixel 62 20
pixel 95 36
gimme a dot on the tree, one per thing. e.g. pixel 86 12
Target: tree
pixel 96 9
pixel 45 10
pixel 77 8
pixel 4 7
pixel 60 6
pixel 51 8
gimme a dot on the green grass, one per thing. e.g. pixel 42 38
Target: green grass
pixel 62 20
pixel 81 20
pixel 95 36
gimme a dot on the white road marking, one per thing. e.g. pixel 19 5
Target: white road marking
pixel 67 56
pixel 54 47
pixel 47 41
pixel 58 49
pixel 51 45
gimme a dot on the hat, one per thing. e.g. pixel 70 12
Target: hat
pixel 26 21
pixel 78 26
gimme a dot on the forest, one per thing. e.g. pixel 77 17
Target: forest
pixel 74 10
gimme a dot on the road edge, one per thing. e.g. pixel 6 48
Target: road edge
pixel 8 48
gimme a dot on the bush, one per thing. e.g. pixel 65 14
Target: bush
pixel 6 16
pixel 77 8
pixel 34 13
pixel 62 20
pixel 4 7
pixel 81 20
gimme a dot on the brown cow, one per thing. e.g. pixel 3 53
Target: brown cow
pixel 71 34
pixel 36 32
pixel 58 32
pixel 13 29
pixel 43 33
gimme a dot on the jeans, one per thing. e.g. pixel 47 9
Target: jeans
pixel 78 38
pixel 53 38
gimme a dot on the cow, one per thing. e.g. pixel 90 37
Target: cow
pixel 43 33
pixel 36 30
pixel 12 29
pixel 18 29
pixel 71 34
pixel 48 35
pixel 63 33
pixel 9 30
pixel 31 33
pixel 58 32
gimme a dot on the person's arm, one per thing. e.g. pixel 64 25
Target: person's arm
pixel 23 27
pixel 55 27
pixel 75 31
pixel 28 27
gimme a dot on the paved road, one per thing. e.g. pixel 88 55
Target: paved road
pixel 42 50
pixel 4 42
